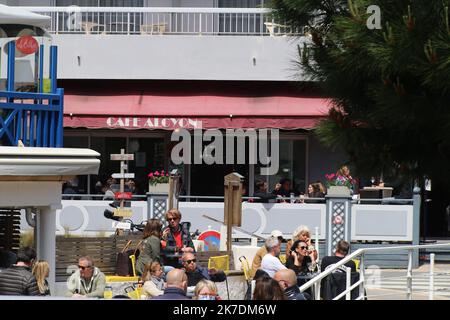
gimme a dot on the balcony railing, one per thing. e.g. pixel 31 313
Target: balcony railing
pixel 167 21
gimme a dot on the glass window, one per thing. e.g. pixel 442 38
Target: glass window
pixel 292 165
pixel 78 185
pixel 149 156
pixel 106 146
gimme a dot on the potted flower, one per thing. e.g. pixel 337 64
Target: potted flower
pixel 338 184
pixel 158 182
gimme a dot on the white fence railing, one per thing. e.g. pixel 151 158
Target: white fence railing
pixel 158 21
pixel 361 283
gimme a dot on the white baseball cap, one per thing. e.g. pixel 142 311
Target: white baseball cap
pixel 276 234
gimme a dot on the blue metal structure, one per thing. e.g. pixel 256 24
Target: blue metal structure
pixel 34 118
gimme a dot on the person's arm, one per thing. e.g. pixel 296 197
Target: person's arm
pixel 99 287
pixel 155 245
pixel 150 289
pixel 216 275
pixel 71 286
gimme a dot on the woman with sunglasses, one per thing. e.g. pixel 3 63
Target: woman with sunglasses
pixel 299 259
pixel 176 239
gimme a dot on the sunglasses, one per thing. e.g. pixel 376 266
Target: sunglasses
pixel 83 267
pixel 172 219
pixel 303 248
pixel 190 261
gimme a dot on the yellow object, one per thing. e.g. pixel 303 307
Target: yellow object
pixel 47 86
pixel 108 294
pixel 246 268
pixel 121 279
pixel 219 263
pixel 133 263
pixel 356 263
pixel 125 213
pixel 282 258
pixel 136 294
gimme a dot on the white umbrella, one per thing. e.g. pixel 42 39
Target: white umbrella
pixel 17 15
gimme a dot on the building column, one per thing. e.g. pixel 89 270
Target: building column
pixel 46 239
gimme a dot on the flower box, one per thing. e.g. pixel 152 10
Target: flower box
pixel 159 188
pixel 338 191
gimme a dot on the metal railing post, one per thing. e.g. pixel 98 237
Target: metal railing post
pixel 317 290
pixel 409 275
pixel 431 289
pixel 348 283
pixel 362 277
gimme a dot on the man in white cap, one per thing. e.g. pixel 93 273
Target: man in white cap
pixel 256 264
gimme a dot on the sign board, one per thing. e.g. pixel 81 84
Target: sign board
pixel 125 213
pixel 123 175
pixel 122 157
pixel 123 195
pixel 27 45
pixel 121 225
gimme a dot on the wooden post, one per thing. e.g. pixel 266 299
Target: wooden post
pixel 232 203
pixel 174 184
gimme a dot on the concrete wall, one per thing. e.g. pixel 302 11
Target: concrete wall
pixel 175 57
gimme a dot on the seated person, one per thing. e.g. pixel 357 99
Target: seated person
pixel 175 239
pixel 88 281
pixel 299 261
pixel 176 286
pixel 270 263
pixel 288 283
pixel 154 283
pixel 283 189
pixel 256 263
pixel 262 192
pixel 196 273
pixel 342 249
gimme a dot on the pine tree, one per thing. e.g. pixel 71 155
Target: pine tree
pixel 389 87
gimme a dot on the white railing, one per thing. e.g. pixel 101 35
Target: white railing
pixel 158 21
pixel 316 281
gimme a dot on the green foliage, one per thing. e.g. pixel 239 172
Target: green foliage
pixel 390 88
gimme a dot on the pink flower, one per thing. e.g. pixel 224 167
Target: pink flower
pixel 156 173
pixel 150 175
pixel 162 172
pixel 167 174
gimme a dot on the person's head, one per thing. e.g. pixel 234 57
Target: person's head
pixel 300 247
pixel 205 290
pixel 321 186
pixel 310 189
pixel 173 216
pixel 261 186
pixel 152 228
pixel 153 269
pixel 344 171
pixel 342 248
pixel 277 234
pixel 285 184
pixel 316 188
pixel 286 278
pixel 273 246
pixel 41 270
pixel 86 267
pixel 301 233
pixel 267 289
pixel 177 278
pixel 26 256
pixel 131 184
pixel 189 262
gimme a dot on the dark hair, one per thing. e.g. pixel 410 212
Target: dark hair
pixel 284 180
pixel 152 228
pixel 26 255
pixel 259 184
pixel 267 289
pixel 343 247
pixel 295 244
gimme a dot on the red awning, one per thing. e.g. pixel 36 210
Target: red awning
pixel 169 112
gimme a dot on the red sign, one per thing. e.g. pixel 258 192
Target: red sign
pixel 123 195
pixel 27 45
